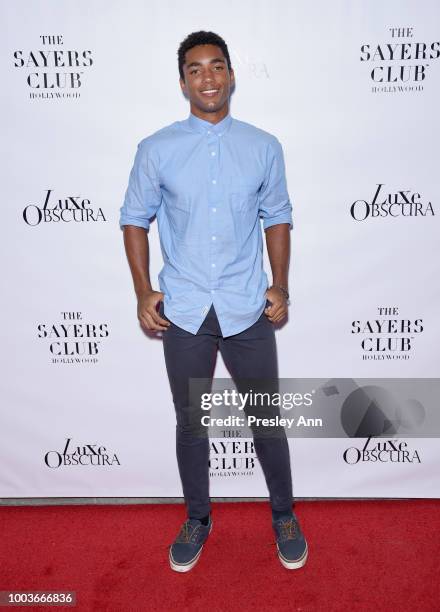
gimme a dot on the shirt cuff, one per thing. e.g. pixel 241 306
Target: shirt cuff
pixel 127 220
pixel 282 218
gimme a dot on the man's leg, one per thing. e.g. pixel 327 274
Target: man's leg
pixel 252 354
pixel 191 356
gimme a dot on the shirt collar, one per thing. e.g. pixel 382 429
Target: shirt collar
pixel 201 125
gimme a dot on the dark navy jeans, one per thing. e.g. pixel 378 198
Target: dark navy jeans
pixel 250 354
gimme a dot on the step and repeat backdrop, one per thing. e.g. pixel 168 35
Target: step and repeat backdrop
pixel 351 90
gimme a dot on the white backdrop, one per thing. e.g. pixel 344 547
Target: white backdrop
pixel 78 369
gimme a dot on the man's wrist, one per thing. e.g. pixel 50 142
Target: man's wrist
pixel 143 291
pixel 283 288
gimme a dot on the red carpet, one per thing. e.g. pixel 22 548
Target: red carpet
pixel 363 555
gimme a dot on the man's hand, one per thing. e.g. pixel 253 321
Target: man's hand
pixel 147 314
pixel 278 310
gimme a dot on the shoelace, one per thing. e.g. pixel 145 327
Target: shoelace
pixel 288 529
pixel 185 533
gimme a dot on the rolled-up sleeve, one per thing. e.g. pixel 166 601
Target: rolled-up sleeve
pixel 274 201
pixel 143 196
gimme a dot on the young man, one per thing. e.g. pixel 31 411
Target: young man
pixel 209 179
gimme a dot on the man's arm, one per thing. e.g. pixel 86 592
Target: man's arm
pixel 142 201
pixel 137 250
pixel 278 249
pixel 276 211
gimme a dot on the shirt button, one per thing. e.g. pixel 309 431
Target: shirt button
pixel 212 290
pixel 213 265
pixel 213 153
pixel 213 237
pixel 209 132
pixel 214 210
pixel 214 181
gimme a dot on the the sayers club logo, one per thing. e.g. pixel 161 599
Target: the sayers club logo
pixel 73 340
pixel 400 65
pixel 388 335
pixel 230 458
pixel 54 70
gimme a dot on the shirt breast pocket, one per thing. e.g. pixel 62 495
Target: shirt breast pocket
pixel 179 213
pixel 243 196
pixel 244 210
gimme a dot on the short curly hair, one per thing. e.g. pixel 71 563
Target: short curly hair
pixel 201 38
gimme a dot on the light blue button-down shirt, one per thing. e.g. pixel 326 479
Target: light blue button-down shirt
pixel 209 185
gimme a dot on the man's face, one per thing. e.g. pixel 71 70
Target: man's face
pixel 207 78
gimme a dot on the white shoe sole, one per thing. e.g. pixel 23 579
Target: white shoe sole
pixel 293 564
pixel 179 567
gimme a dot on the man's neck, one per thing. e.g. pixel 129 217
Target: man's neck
pixel 213 117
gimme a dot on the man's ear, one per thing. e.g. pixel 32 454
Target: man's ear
pixel 182 85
